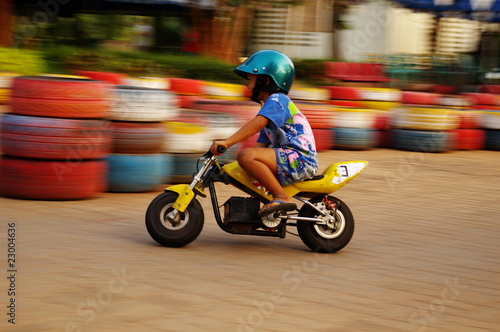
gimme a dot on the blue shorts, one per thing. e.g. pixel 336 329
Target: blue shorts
pixel 294 166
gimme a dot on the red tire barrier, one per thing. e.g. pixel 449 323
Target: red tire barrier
pixel 319 117
pixel 186 86
pixel 485 107
pixel 110 78
pixel 52 138
pixel 60 97
pixel 469 119
pixel 383 139
pixel 382 121
pixel 137 137
pixel 469 139
pixel 489 88
pixel 443 89
pixel 59 88
pixel 324 139
pixel 61 108
pixel 421 98
pixel 482 98
pixel 187 101
pixel 343 92
pixel 52 180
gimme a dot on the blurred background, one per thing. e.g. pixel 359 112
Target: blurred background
pixel 133 91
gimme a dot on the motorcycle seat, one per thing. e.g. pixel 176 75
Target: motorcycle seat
pixel 316 177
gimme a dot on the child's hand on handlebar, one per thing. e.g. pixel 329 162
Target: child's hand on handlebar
pixel 218 146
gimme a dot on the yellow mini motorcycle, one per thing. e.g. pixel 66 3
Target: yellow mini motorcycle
pixel 324 223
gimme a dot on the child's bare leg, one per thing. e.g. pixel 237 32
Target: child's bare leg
pixel 260 163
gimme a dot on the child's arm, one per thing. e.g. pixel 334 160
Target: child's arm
pixel 251 128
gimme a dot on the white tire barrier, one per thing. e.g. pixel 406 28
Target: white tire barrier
pixel 186 138
pixel 380 94
pixel 491 120
pixel 311 94
pixel 347 117
pixel 148 82
pixel 143 105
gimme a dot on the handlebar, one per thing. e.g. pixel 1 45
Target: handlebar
pixel 220 149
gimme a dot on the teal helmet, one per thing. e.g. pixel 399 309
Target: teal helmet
pixel 272 63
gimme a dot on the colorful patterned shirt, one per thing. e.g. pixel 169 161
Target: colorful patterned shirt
pixel 290 134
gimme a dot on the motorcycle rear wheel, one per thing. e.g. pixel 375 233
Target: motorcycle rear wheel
pixel 171 233
pixel 326 238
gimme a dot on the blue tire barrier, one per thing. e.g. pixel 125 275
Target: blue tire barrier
pixel 54 138
pixel 231 154
pixel 130 173
pixel 493 139
pixel 167 168
pixel 184 167
pixel 422 140
pixel 354 138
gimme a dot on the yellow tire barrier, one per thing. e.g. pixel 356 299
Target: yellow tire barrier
pixel 6 79
pixel 425 118
pixel 4 96
pixel 225 91
pixel 380 105
pixel 311 94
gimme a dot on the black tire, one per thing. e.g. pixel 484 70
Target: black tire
pixel 164 232
pixel 319 237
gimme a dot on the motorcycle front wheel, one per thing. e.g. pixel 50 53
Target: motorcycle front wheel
pixel 329 236
pixel 177 232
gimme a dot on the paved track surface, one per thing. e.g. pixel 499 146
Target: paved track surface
pixel 424 257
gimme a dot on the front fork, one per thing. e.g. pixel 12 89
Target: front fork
pixel 187 192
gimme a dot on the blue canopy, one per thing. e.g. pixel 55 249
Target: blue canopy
pixel 455 5
pixel 471 9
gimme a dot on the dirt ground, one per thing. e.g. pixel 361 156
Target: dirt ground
pixel 424 257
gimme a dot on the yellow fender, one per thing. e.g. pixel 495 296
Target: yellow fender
pixel 186 195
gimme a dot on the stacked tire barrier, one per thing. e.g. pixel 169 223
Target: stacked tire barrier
pixel 187 136
pixel 380 98
pixel 138 163
pixel 209 111
pixel 354 128
pixel 344 96
pixel 312 102
pixel 185 142
pixel 488 105
pixel 55 139
pixel 423 128
pixel 469 135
